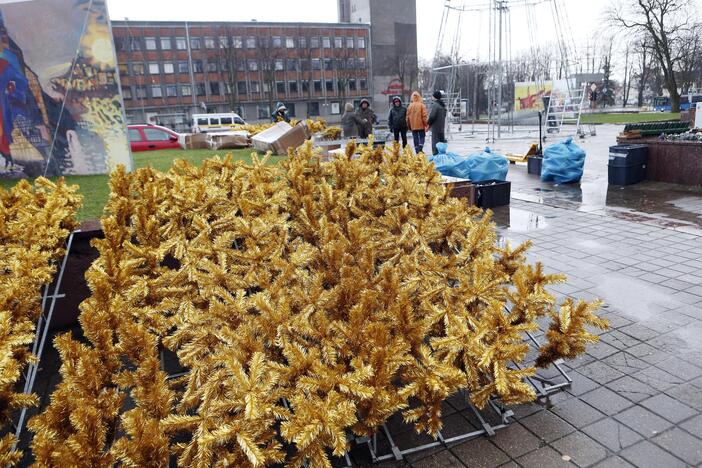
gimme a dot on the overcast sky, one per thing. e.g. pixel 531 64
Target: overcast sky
pixel 585 18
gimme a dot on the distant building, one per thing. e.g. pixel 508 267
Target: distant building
pixel 170 70
pixel 393 38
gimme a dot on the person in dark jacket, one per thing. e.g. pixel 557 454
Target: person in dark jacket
pixel 437 121
pixel 366 114
pixel 397 120
pixel 350 122
pixel 280 114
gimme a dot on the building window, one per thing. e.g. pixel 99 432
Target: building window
pixel 292 87
pixel 255 87
pixel 200 89
pixel 127 92
pixel 317 86
pixel 316 64
pixel 168 68
pixel 328 64
pixel 279 65
pixel 351 63
pixel 326 42
pixel 171 91
pixel 304 64
pixel 210 43
pixel 305 86
pixel 303 42
pixel 241 87
pixel 349 42
pixel 183 67
pixel 223 42
pixel 156 92
pixel 212 67
pixel 314 42
pixel 352 85
pixel 138 68
pixel 135 43
pixel 313 109
pixel 123 69
pixel 340 64
pixel 238 42
pixel 165 43
pixel 266 87
pixel 277 41
pixel 186 90
pixel 290 42
pixel 280 87
pixel 330 86
pixel 264 42
pixel 181 43
pixel 263 112
pixel 292 65
pixel 150 43
pixel 338 43
pixel 364 84
pixel 214 88
pixel 335 108
pixel 251 42
pixel 141 92
pixel 241 65
pixel 253 65
pixel 195 43
pixel 361 42
pixel 154 68
pixel 197 66
pixel 361 63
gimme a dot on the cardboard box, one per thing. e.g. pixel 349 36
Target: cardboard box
pixel 280 137
pixel 264 140
pixel 230 140
pixel 197 141
pixel 292 139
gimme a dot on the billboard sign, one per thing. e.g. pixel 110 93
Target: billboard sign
pixel 61 110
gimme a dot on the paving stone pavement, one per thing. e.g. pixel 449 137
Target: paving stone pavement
pixel 636 398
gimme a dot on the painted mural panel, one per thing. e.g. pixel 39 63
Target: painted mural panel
pixel 61 109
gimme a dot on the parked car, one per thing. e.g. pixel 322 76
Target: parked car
pixel 145 137
pixel 209 123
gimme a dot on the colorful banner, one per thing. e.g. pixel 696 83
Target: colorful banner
pixel 61 109
pixel 528 95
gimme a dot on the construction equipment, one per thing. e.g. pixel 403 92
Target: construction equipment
pixel 515 158
pixel 565 108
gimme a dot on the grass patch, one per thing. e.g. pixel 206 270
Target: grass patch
pixel 629 118
pixel 95 188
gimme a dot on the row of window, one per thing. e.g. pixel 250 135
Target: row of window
pixel 239 42
pixel 243 87
pixel 156 68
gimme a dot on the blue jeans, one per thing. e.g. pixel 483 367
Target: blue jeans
pixel 418 137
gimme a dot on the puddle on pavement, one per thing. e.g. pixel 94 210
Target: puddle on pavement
pixel 524 221
pixel 634 298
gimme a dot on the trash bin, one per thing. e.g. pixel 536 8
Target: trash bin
pixel 534 165
pixel 627 164
pixel 492 193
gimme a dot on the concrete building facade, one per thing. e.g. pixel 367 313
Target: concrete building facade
pixel 393 38
pixel 170 70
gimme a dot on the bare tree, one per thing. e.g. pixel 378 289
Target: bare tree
pixel 626 85
pixel 269 55
pixel 691 50
pixel 307 54
pixel 665 23
pixel 232 61
pixel 406 68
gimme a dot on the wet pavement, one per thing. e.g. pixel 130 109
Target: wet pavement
pixel 636 398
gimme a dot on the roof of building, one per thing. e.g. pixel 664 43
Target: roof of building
pixel 166 24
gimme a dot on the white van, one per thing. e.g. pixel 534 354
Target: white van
pixel 209 123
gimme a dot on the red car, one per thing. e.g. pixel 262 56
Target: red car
pixel 152 137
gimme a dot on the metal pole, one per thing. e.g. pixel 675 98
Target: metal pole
pixel 499 71
pixel 475 99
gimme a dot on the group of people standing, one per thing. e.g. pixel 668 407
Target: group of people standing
pixel 414 117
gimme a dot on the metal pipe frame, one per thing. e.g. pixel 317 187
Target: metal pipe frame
pixel 41 332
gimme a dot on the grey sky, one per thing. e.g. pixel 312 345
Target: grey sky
pixel 585 18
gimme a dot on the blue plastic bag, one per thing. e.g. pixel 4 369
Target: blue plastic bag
pixel 450 164
pixel 488 166
pixel 563 163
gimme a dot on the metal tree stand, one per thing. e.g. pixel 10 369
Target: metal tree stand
pixel 42 330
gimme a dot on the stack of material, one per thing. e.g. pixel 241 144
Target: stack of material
pixel 653 129
pixel 197 141
pixel 230 140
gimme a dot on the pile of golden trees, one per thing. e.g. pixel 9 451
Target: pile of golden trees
pixel 308 302
pixel 34 224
